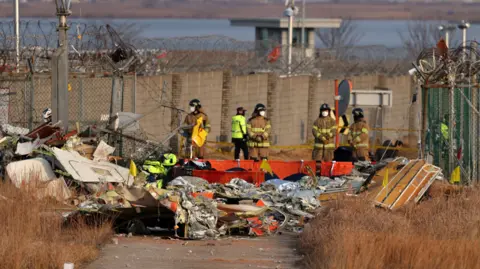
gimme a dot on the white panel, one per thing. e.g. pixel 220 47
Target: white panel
pixel 371 98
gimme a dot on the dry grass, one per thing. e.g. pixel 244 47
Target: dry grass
pixel 439 233
pixel 33 235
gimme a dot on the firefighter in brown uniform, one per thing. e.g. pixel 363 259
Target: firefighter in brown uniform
pixel 358 136
pixel 324 129
pixel 196 111
pixel 258 130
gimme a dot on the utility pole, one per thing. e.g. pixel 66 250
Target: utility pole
pixel 447 28
pixel 290 12
pixel 303 24
pixel 464 26
pixel 17 34
pixel 60 67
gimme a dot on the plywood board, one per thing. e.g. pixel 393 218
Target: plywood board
pixel 385 191
pixel 418 185
pixel 390 193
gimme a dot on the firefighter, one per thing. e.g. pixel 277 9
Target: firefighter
pixel 196 111
pixel 324 132
pixel 358 137
pixel 158 168
pixel 239 134
pixel 258 130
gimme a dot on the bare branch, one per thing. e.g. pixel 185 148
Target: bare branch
pixel 340 39
pixel 420 35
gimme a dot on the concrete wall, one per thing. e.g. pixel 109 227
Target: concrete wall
pixel 292 103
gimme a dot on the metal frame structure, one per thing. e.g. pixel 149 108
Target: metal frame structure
pixel 439 70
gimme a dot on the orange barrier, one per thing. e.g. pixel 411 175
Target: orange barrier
pixel 282 169
pixel 340 169
pixel 224 165
pixel 222 177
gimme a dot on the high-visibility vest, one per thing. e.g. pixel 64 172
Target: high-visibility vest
pixel 153 167
pixel 239 126
pixel 444 130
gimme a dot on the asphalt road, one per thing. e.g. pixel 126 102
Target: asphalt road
pixel 230 252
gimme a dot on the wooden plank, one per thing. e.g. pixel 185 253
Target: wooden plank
pixel 403 183
pixel 424 177
pixel 382 196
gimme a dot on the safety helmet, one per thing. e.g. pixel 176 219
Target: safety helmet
pixel 324 107
pixel 357 112
pixel 47 114
pixel 260 107
pixel 169 159
pixel 195 103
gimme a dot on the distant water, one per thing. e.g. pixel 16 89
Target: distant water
pixel 373 32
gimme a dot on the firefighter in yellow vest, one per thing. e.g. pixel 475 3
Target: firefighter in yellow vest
pixel 196 111
pixel 239 134
pixel 258 130
pixel 324 129
pixel 358 137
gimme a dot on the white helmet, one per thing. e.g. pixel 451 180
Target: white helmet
pixel 47 114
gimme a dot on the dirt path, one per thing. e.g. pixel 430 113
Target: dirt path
pixel 229 253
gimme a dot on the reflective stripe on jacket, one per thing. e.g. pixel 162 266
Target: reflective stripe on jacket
pixel 359 134
pixel 258 128
pixel 323 130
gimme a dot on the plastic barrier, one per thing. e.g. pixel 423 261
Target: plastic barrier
pixel 340 169
pixel 282 169
pixel 222 177
pixel 224 165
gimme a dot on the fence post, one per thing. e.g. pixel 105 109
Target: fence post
pixel 80 93
pixel 122 99
pixel 113 102
pixel 451 129
pixel 122 93
pixel 312 110
pixel 176 116
pixel 272 94
pixel 134 93
pixel 32 102
pixel 226 96
pixel 473 147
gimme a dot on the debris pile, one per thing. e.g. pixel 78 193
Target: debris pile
pixel 191 198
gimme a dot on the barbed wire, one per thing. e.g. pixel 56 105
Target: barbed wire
pixel 90 44
pixel 455 65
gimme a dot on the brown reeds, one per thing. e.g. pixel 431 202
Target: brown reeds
pixel 34 234
pixel 442 232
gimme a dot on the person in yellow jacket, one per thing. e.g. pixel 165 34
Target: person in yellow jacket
pixel 323 130
pixel 258 130
pixel 239 134
pixel 358 137
pixel 196 111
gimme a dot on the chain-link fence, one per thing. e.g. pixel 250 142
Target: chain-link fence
pixel 449 78
pixel 438 142
pixel 24 97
